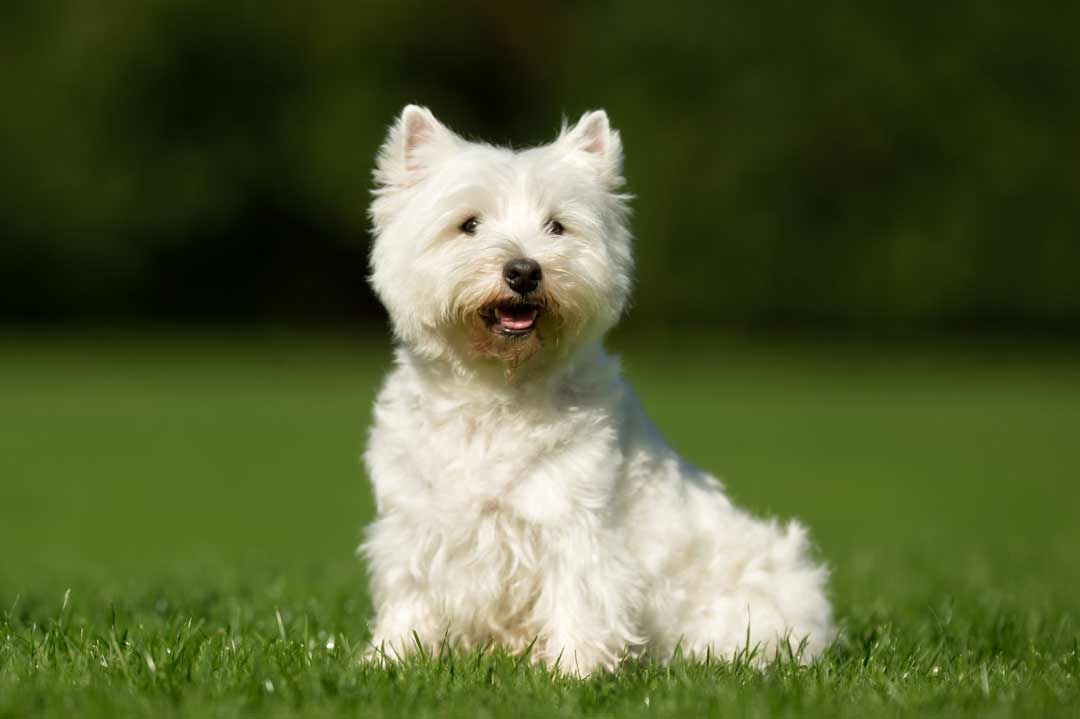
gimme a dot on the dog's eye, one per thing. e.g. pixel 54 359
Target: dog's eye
pixel 469 226
pixel 555 227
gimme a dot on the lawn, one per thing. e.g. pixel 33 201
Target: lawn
pixel 178 516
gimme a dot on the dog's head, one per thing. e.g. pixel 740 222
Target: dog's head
pixel 486 256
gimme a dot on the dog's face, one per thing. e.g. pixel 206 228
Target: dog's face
pixel 487 256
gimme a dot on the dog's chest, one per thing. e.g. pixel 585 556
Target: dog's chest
pixel 489 571
pixel 541 464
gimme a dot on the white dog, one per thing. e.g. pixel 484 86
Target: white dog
pixel 524 499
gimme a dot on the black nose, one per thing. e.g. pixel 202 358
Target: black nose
pixel 523 276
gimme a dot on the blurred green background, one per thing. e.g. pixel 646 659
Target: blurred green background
pixel 225 462
pixel 838 163
pixel 183 180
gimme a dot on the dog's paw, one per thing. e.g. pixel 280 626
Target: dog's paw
pixel 378 655
pixel 382 652
pixel 576 659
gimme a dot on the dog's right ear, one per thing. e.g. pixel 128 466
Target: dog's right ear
pixel 594 138
pixel 414 144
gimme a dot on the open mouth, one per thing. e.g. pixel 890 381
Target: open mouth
pixel 511 320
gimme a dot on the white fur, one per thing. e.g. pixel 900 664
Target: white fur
pixel 533 500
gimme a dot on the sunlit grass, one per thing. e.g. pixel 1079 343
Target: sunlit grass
pixel 178 518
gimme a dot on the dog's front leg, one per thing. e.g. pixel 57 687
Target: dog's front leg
pixel 406 616
pixel 587 608
pixel 404 626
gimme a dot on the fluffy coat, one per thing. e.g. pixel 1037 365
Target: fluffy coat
pixel 523 497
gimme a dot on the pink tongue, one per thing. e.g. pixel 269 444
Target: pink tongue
pixel 517 318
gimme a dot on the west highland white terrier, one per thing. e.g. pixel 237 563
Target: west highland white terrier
pixel 524 500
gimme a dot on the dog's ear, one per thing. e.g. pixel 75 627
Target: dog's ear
pixel 416 141
pixel 594 136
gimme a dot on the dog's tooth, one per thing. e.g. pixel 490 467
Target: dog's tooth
pixel 498 314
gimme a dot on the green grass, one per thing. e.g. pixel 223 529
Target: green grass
pixel 178 518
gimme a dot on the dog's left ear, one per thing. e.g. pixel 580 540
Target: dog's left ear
pixel 593 136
